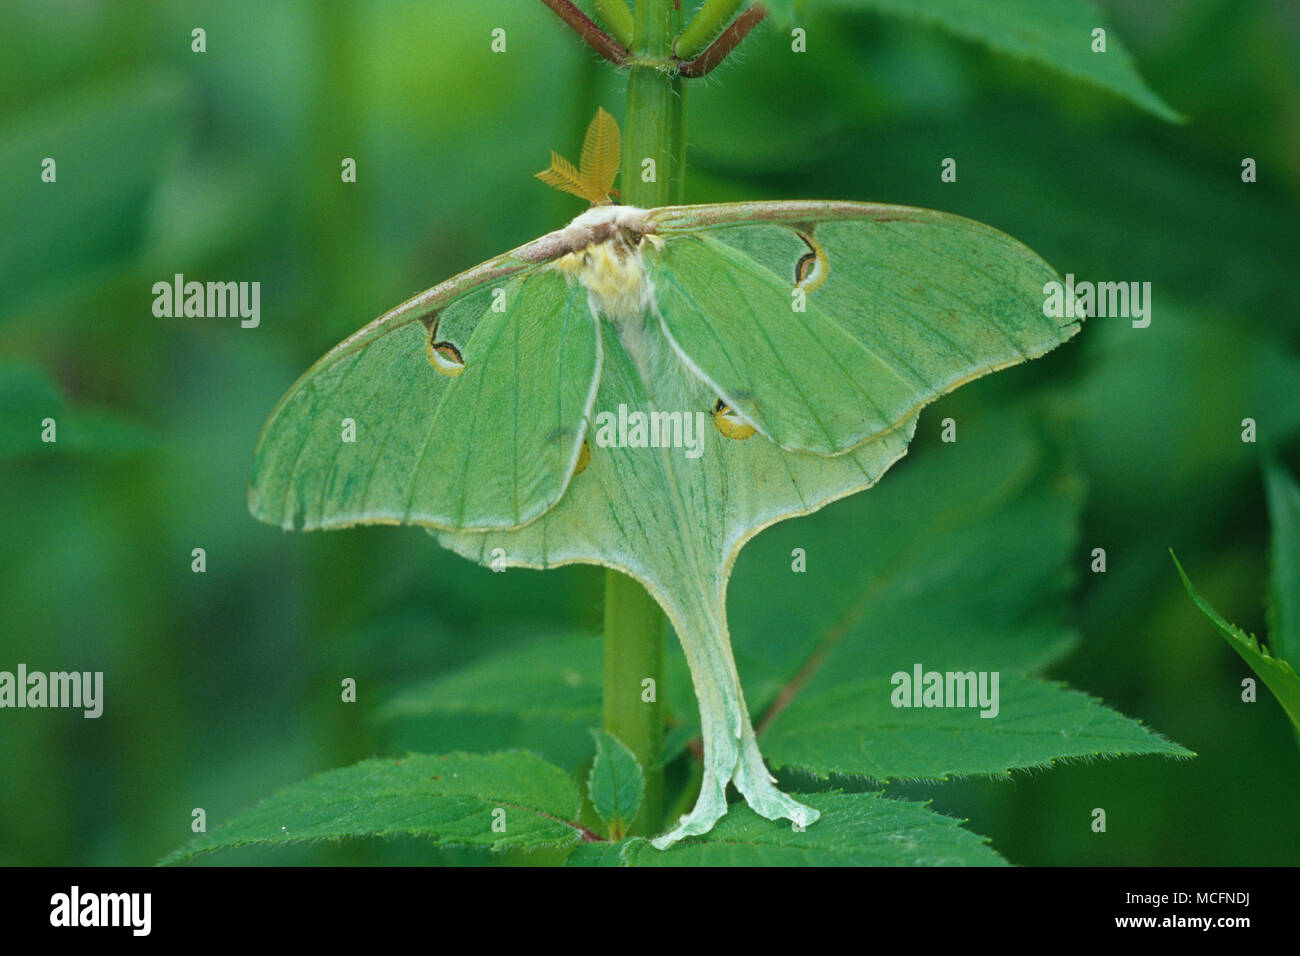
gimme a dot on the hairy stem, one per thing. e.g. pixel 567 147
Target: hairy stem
pixel 725 43
pixel 596 38
pixel 652 122
pixel 677 146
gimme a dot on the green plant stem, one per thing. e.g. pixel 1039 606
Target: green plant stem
pixel 634 652
pixel 652 122
pixel 634 623
pixel 705 25
pixel 677 144
pixel 617 19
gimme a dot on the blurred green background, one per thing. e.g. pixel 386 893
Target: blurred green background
pixel 225 165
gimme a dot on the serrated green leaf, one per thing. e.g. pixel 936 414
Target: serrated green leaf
pixel 855 729
pixel 510 799
pixel 615 784
pixel 1054 33
pixel 1277 675
pixel 1284 604
pixel 554 679
pixel 600 854
pixel 858 829
pixel 540 696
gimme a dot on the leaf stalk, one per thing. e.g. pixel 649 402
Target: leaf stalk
pixel 585 27
pixel 727 41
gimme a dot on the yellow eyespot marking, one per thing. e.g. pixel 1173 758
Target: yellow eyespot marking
pixel 446 359
pixel 812 268
pixel 729 423
pixel 584 459
pixel 601 155
pixel 443 356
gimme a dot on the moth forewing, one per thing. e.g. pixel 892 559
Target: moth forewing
pixel 507 433
pixel 391 379
pixel 825 324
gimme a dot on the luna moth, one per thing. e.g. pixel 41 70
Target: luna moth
pixel 808 335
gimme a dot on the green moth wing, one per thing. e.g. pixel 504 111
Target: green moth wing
pixel 466 408
pixel 825 323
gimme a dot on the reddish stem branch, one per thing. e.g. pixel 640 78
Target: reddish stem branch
pixel 726 42
pixel 596 38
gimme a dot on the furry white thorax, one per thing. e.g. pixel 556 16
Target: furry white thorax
pixel 610 265
pixel 627 217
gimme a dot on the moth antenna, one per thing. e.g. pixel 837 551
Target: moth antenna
pixel 593 178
